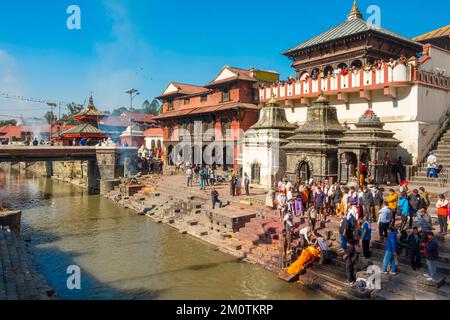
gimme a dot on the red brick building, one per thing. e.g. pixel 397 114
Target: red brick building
pixel 220 111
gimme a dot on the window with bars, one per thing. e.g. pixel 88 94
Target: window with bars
pixel 226 95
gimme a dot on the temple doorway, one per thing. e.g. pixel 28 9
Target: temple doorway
pixel 169 155
pixel 304 171
pixel 256 173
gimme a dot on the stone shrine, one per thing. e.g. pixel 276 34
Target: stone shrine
pixel 312 151
pixel 263 160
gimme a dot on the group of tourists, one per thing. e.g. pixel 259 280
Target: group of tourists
pixel 200 176
pixel 401 218
pixel 343 69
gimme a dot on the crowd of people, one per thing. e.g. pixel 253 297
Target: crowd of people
pixel 402 219
pixel 207 176
pixel 343 69
pixel 400 216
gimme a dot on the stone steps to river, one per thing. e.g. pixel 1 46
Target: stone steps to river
pixel 20 278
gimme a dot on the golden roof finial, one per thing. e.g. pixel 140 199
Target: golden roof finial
pixel 273 101
pixel 354 13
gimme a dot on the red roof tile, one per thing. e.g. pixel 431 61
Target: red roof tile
pixel 153 132
pixel 139 117
pixel 195 111
pixel 185 89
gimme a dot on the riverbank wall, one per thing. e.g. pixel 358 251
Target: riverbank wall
pixel 73 172
pixel 20 278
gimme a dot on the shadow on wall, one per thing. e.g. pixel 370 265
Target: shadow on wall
pixel 405 154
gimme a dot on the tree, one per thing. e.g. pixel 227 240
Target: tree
pixel 119 111
pixel 50 117
pixel 154 108
pixel 8 123
pixel 73 109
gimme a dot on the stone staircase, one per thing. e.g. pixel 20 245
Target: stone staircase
pixel 238 229
pixel 442 152
pixel 407 284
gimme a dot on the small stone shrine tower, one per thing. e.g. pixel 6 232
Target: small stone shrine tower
pixel 370 144
pixel 312 151
pixel 264 161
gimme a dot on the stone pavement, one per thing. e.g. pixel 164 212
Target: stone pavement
pixel 20 278
pixel 238 229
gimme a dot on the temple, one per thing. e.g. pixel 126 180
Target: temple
pixel 88 129
pixel 357 66
pixel 220 111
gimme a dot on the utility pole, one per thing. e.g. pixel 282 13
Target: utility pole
pixel 52 105
pixel 133 93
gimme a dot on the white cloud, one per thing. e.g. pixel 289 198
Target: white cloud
pixel 117 63
pixel 10 81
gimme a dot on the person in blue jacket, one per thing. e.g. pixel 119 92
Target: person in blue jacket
pixel 391 251
pixel 403 206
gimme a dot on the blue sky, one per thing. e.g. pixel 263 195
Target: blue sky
pixel 146 44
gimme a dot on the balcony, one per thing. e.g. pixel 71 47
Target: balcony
pixel 386 78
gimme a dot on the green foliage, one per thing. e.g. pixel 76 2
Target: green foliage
pixel 73 110
pixel 147 108
pixel 8 123
pixel 50 117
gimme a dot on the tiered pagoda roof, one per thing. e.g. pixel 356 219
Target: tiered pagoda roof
pixel 84 130
pixel 355 24
pixel 90 112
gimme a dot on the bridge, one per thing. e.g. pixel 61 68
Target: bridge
pixel 104 163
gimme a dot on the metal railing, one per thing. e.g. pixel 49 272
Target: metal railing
pixel 444 123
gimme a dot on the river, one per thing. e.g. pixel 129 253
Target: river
pixel 124 256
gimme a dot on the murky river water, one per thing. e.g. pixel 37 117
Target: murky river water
pixel 123 256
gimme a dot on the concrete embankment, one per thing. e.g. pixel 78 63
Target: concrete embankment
pixel 20 278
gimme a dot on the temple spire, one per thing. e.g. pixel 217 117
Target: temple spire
pixel 91 102
pixel 354 13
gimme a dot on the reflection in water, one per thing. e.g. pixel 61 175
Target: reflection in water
pixel 123 256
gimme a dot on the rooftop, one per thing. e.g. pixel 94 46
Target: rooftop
pixel 139 117
pixel 90 111
pixel 355 24
pixel 438 33
pixel 176 88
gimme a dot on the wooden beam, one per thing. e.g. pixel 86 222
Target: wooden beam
pixel 306 101
pixel 343 96
pixel 365 94
pixel 390 91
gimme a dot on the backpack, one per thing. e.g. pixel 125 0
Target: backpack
pixel 355 258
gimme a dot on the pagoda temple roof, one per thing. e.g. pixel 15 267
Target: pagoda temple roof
pixel 83 129
pixel 90 111
pixel 355 24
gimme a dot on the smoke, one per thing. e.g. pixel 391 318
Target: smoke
pixel 39 128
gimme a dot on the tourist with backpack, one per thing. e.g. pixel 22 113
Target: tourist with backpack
pixel 414 204
pixel 424 198
pixel 351 258
pixel 414 245
pixel 403 206
pixel 431 253
pixel 342 233
pixel 391 252
pixel 366 236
